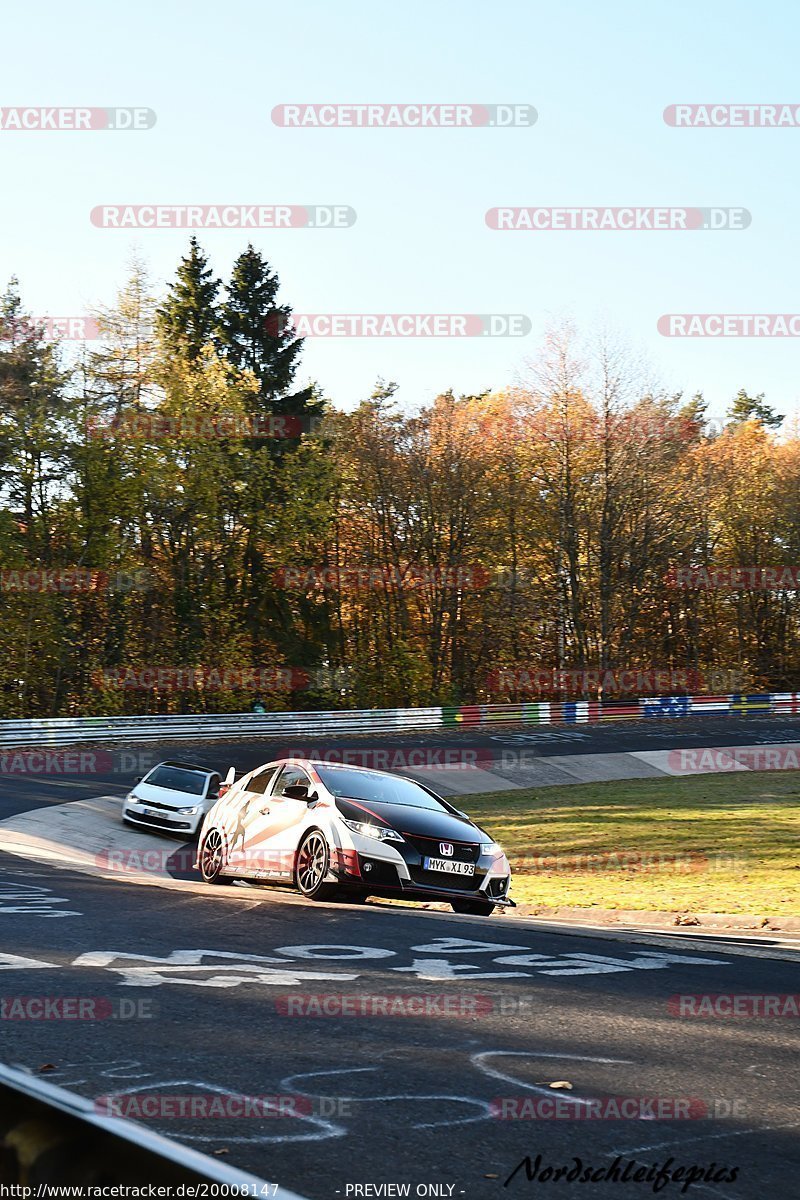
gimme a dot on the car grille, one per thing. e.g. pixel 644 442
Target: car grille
pixel 431 880
pixel 429 848
pixel 146 819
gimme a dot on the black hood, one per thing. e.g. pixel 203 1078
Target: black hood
pixel 421 822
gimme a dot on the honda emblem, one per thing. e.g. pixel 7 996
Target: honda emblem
pixel 446 849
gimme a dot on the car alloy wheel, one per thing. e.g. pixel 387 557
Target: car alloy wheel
pixel 212 858
pixel 313 861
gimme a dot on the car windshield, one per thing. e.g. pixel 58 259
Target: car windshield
pixel 177 779
pixel 380 789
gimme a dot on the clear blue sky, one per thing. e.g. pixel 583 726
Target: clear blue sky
pixel 599 75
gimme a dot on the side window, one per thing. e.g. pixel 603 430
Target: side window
pixel 213 787
pixel 259 784
pixel 291 775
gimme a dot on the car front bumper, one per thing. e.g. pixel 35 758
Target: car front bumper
pixel 388 870
pixel 165 821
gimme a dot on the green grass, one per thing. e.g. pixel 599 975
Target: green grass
pixel 713 843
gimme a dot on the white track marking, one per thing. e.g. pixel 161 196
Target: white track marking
pixel 15 962
pixel 233 970
pixel 408 1097
pixel 478 1061
pixel 324 1129
pixel 456 945
pixel 440 968
pixel 353 953
pixel 34 900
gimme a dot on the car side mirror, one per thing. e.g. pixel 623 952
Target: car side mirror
pixel 138 778
pixel 299 791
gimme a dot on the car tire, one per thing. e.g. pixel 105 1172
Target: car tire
pixel 312 865
pixel 211 856
pixel 472 908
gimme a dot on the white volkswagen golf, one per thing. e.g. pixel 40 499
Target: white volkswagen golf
pixel 338 831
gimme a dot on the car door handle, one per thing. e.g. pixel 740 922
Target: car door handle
pixel 264 810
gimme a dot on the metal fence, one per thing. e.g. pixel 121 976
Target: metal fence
pixel 59 731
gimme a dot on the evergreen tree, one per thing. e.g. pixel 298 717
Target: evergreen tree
pixel 188 319
pixel 256 335
pixel 33 422
pixel 753 408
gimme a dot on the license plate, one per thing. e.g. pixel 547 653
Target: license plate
pixel 151 812
pixel 447 864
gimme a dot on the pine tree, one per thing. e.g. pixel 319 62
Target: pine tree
pixel 189 318
pixel 257 336
pixel 753 408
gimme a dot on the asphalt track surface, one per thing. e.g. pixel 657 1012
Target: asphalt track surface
pixel 210 981
pixel 495 1012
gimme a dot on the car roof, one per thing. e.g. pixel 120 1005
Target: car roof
pixel 335 766
pixel 184 766
pixel 331 766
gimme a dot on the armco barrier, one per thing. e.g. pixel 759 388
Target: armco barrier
pixel 52 1138
pixel 60 731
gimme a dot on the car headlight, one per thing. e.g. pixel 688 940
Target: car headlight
pixel 491 848
pixel 188 812
pixel 369 829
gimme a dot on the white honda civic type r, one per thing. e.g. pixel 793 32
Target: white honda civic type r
pixel 344 832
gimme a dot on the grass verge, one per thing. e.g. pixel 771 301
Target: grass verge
pixel 702 844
